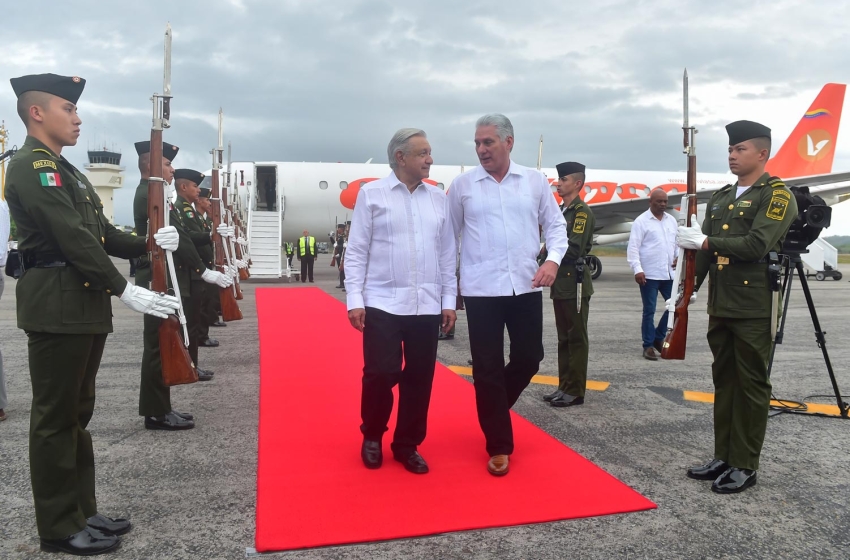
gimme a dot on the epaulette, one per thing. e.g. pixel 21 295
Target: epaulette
pixel 775 182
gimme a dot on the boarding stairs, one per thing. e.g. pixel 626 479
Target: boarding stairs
pixel 264 241
pixel 821 261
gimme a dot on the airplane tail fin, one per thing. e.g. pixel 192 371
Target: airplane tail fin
pixel 811 147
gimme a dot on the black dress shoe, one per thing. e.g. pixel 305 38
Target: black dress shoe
pixel 168 422
pixel 708 471
pixel 219 324
pixel 551 396
pixel 412 461
pixel 204 374
pixel 87 542
pixel 734 480
pixel 109 526
pixel 566 400
pixel 469 362
pixel 338 287
pixel 209 343
pixel 371 454
pixel 183 415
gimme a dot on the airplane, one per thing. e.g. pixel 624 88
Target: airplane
pixel 317 196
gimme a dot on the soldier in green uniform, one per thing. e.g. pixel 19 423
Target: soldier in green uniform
pixel 154 395
pixel 64 305
pixel 209 312
pixel 570 317
pixel 744 227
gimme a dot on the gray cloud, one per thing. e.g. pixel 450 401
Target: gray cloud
pixel 332 80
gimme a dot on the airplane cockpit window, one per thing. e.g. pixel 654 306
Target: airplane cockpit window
pixel 343 185
pixel 323 185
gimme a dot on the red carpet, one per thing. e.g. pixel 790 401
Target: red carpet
pixel 312 488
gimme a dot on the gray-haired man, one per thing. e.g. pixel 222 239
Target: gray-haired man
pixel 400 283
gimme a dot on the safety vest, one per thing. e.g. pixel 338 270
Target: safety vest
pixel 289 248
pixel 302 249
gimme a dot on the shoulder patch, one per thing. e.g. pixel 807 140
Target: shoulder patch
pixel 581 214
pixel 578 225
pixel 777 208
pixel 50 179
pixel 782 192
pixel 189 213
pixel 43 163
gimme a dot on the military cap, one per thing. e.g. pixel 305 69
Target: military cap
pixel 169 151
pixel 205 192
pixel 741 131
pixel 66 87
pixel 190 174
pixel 568 168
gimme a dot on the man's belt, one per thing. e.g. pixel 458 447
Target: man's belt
pixel 43 261
pixel 717 259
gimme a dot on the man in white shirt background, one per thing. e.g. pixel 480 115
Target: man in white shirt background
pixel 497 210
pixel 5 225
pixel 400 284
pixel 652 256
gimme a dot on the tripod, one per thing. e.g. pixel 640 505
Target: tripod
pixel 789 260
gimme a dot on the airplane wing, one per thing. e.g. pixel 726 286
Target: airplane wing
pixel 828 185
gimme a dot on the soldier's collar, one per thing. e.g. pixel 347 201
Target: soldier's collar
pixel 573 202
pixel 37 145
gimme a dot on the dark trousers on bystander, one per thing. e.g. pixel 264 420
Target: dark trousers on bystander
pixel 649 294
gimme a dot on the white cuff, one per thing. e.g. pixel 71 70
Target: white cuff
pixel 449 302
pixel 354 300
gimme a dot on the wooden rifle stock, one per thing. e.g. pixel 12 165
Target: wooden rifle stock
pixel 229 308
pixel 177 366
pixel 676 340
pixel 236 287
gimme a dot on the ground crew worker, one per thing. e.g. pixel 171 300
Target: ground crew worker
pixel 743 230
pixel 210 297
pixel 64 305
pixel 307 255
pixel 290 252
pixel 571 308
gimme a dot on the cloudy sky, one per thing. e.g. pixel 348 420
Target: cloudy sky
pixel 322 80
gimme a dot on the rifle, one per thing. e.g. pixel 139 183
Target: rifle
pixel 229 308
pixel 232 220
pixel 686 269
pixel 177 366
pixel 232 255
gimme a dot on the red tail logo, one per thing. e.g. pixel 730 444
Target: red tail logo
pixel 811 147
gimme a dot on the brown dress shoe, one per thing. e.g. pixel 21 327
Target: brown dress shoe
pixel 498 465
pixel 650 353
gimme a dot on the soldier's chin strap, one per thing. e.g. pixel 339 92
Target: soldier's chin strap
pixel 172 271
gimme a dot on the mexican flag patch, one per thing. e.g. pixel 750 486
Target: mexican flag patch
pixel 50 179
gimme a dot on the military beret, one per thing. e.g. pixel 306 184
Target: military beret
pixel 68 88
pixel 205 192
pixel 741 131
pixel 190 174
pixel 568 168
pixel 169 151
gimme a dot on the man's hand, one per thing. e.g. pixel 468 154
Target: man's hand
pixel 640 278
pixel 675 262
pixel 167 238
pixel 545 275
pixel 357 318
pixel 449 318
pixel 691 237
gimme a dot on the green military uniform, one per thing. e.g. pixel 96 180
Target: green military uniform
pixel 63 303
pixel 571 323
pixel 209 292
pixel 741 231
pixel 154 395
pixel 198 293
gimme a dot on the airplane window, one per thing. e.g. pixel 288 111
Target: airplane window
pixel 632 190
pixel 323 185
pixel 619 190
pixel 587 190
pixel 343 185
pixel 604 189
pixel 647 190
pixel 441 186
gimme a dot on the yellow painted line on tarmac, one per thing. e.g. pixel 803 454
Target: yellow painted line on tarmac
pixel 541 379
pixel 814 408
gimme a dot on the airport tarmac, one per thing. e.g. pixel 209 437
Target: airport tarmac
pixel 191 495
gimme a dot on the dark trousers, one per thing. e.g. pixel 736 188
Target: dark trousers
pixel 386 339
pixel 306 268
pixel 649 294
pixel 741 348
pixel 192 308
pixel 62 370
pixel 498 386
pixel 154 395
pixel 572 345
pixel 341 277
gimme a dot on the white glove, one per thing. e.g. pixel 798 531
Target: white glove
pixel 691 237
pixel 214 277
pixel 241 264
pixel 233 271
pixel 694 297
pixel 167 238
pixel 224 230
pixel 670 304
pixel 241 241
pixel 145 301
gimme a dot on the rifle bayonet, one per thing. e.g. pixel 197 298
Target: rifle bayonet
pixel 166 80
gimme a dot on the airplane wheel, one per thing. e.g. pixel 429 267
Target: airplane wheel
pixel 820 276
pixel 836 276
pixel 595 266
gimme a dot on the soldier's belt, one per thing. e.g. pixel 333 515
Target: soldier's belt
pixel 44 261
pixel 717 259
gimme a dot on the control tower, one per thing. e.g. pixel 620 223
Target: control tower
pixel 105 173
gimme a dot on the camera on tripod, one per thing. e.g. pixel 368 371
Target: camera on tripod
pixel 812 216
